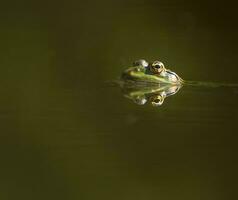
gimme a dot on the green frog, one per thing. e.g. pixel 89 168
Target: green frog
pixel 152 82
pixel 154 72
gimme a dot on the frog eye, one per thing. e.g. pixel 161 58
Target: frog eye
pixel 157 67
pixel 141 62
pixel 157 100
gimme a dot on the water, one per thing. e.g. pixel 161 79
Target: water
pixel 66 133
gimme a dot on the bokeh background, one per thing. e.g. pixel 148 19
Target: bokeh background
pixel 68 134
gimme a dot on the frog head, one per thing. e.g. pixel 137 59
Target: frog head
pixel 154 72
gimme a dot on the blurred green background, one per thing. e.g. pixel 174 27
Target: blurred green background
pixel 67 134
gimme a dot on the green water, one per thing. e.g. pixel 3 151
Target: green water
pixel 68 134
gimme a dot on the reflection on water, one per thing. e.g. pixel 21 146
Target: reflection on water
pixel 154 94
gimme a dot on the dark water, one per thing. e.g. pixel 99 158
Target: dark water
pixel 68 134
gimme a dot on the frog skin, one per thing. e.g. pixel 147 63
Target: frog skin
pixel 152 73
pixel 155 95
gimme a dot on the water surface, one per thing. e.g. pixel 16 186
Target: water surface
pixel 68 134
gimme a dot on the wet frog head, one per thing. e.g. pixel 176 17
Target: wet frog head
pixel 154 72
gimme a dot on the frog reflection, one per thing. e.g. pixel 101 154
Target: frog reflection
pixel 153 94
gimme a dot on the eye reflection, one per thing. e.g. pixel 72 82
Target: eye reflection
pixel 157 100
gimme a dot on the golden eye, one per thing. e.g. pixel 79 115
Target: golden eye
pixel 157 67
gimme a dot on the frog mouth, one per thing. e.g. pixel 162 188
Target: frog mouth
pixel 170 76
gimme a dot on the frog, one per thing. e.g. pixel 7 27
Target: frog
pixel 151 73
pixel 152 82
